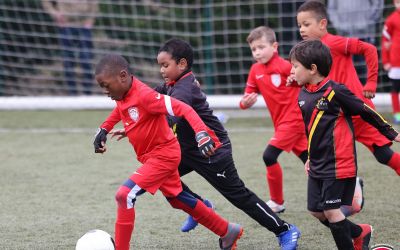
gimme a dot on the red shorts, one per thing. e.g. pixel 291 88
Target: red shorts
pixel 367 134
pixel 160 172
pixel 290 138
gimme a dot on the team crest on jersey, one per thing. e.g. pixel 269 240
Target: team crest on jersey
pixel 276 79
pixel 322 104
pixel 133 113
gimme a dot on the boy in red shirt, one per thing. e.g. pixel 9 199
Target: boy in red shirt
pixel 268 77
pixel 312 22
pixel 391 56
pixel 142 112
pixel 327 108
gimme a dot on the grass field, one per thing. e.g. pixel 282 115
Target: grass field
pixel 54 188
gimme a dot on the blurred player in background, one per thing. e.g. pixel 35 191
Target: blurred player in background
pixel 142 112
pixel 75 20
pixel 268 77
pixel 391 56
pixel 312 22
pixel 327 109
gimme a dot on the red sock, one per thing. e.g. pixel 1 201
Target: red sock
pixel 394 162
pixel 275 182
pixel 395 102
pixel 124 227
pixel 204 215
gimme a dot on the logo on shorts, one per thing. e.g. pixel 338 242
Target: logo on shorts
pixel 133 113
pixel 333 201
pixel 276 79
pixel 221 175
pixel 301 103
pixel 322 104
pixel 382 247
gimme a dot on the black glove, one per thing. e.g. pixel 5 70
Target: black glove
pixel 205 143
pixel 101 136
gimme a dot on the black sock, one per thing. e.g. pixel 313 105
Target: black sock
pixel 341 234
pixel 355 229
pixel 325 222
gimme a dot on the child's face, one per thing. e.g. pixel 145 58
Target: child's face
pixel 301 74
pixel 396 4
pixel 309 26
pixel 114 86
pixel 169 69
pixel 262 50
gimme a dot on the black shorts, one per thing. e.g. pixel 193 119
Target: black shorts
pixel 329 194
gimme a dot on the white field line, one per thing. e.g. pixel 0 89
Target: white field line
pixel 93 131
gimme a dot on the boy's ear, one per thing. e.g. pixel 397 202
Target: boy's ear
pixel 182 64
pixel 323 24
pixel 314 69
pixel 123 75
pixel 275 46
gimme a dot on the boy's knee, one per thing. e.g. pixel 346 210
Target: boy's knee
pixel 383 154
pixel 121 196
pixel 269 158
pixel 319 215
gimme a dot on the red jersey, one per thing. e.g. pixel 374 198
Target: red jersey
pixel 343 71
pixel 142 112
pixel 270 80
pixel 391 34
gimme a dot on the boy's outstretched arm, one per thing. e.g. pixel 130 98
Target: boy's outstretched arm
pixel 370 54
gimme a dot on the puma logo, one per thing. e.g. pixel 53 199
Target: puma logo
pixel 221 175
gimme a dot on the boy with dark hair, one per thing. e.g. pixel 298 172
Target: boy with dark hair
pixel 142 112
pixel 268 77
pixel 312 22
pixel 327 108
pixel 175 58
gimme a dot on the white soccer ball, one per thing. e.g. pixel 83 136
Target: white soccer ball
pixel 95 240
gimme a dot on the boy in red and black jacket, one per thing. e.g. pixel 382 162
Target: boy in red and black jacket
pixel 327 108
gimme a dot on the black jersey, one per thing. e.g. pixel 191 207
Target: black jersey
pixel 187 90
pixel 327 115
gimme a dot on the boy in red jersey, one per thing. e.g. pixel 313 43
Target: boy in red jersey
pixel 327 109
pixel 391 56
pixel 142 112
pixel 312 22
pixel 268 77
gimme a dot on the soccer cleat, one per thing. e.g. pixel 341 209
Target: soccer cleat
pixel 228 242
pixel 288 239
pixel 275 207
pixel 362 241
pixel 190 223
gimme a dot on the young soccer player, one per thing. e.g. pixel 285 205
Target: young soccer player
pixel 327 108
pixel 391 56
pixel 175 58
pixel 312 21
pixel 142 112
pixel 268 77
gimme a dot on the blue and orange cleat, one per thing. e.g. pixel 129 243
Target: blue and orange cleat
pixel 190 223
pixel 229 241
pixel 288 239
